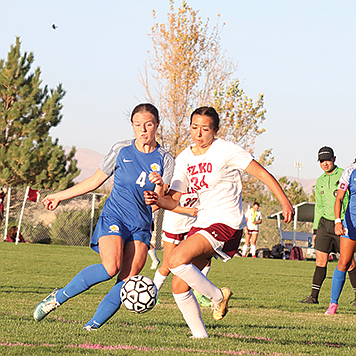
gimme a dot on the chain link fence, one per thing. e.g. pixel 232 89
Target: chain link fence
pixel 73 222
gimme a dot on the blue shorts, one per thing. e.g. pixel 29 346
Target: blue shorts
pixel 113 226
pixel 350 234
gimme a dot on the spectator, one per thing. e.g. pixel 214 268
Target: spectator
pixel 254 219
pixel 11 236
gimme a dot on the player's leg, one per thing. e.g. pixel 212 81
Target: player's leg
pixel 153 254
pixel 347 249
pixel 134 259
pixel 323 246
pixel 253 243
pixel 110 249
pixel 163 271
pixel 202 299
pixel 247 242
pixel 352 277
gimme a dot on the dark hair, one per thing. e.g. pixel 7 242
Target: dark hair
pixel 256 203
pixel 207 111
pixel 13 231
pixel 146 107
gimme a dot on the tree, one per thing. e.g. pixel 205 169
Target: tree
pixel 190 69
pixel 27 112
pixel 293 190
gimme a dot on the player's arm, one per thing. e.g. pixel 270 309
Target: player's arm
pixel 168 202
pixel 339 228
pixel 184 210
pixel 87 185
pixel 255 169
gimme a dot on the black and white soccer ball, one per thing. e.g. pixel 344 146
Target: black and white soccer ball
pixel 139 294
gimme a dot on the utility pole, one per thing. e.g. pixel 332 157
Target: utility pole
pixel 298 165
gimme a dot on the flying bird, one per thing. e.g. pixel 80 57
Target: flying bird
pixel 54 26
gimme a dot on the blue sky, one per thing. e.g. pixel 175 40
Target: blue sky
pixel 300 54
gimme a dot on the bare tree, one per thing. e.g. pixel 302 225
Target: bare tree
pixel 189 69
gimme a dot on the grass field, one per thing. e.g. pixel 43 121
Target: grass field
pixel 265 315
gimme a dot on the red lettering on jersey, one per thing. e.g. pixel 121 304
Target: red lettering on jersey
pixel 203 184
pixel 202 167
pixel 209 168
pixel 198 185
pixel 192 170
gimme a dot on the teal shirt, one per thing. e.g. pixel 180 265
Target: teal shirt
pixel 325 196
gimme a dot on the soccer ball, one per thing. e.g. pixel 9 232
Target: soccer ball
pixel 139 294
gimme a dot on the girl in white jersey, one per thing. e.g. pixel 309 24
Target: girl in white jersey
pixel 211 167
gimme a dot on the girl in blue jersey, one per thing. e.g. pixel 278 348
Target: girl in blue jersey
pixel 347 230
pixel 122 235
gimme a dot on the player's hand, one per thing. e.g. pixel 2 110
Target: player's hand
pixel 151 198
pixel 193 211
pixel 155 178
pixel 339 229
pixel 51 202
pixel 288 212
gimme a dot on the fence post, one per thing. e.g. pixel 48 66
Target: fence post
pixel 92 217
pixel 7 212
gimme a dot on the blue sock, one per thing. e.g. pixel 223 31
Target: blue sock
pixel 108 306
pixel 337 285
pixel 85 279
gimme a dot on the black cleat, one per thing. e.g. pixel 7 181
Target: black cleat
pixel 310 300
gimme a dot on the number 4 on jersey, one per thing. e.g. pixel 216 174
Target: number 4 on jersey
pixel 141 180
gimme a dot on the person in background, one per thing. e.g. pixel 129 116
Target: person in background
pixel 254 219
pixel 346 229
pixel 326 240
pixel 152 251
pixel 11 236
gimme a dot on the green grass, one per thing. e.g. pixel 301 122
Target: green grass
pixel 265 315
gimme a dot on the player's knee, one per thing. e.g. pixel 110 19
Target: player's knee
pixel 111 268
pixel 179 286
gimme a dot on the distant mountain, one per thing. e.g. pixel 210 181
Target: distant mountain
pixel 89 160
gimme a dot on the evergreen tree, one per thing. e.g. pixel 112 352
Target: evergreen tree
pixel 27 112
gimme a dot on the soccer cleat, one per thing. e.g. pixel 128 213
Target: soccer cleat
pixel 155 264
pixel 243 255
pixel 332 309
pixel 91 326
pixel 202 299
pixel 310 300
pixel 199 337
pixel 46 306
pixel 253 256
pixel 220 309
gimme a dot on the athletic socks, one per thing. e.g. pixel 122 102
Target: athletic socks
pixel 153 255
pixel 244 250
pixel 206 270
pixel 189 307
pixel 352 276
pixel 253 250
pixel 107 307
pixel 318 279
pixel 85 279
pixel 159 280
pixel 337 285
pixel 196 280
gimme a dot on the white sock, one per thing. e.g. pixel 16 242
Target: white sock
pixel 244 250
pixel 205 270
pixel 190 309
pixel 253 250
pixel 159 280
pixel 196 280
pixel 153 255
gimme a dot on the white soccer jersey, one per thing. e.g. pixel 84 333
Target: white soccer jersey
pixel 250 219
pixel 216 178
pixel 176 223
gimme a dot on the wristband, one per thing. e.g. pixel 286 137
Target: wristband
pixel 338 220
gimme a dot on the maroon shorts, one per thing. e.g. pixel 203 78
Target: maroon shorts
pixel 223 233
pixel 174 238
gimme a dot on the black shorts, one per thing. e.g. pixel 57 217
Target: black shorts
pixel 326 240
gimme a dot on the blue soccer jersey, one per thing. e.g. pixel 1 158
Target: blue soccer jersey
pixel 131 169
pixel 348 181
